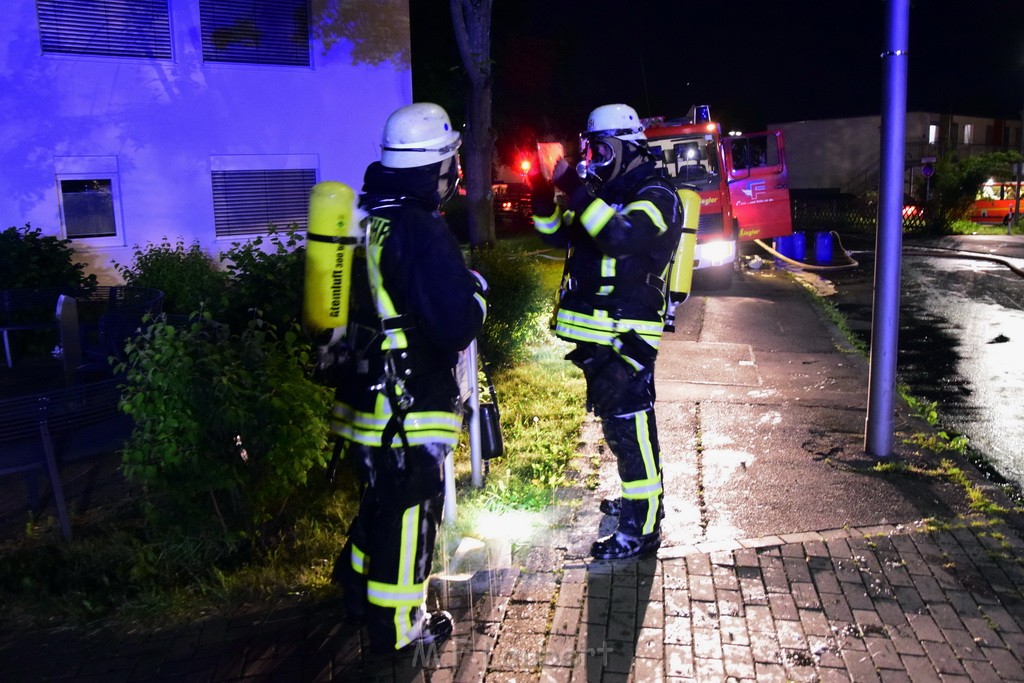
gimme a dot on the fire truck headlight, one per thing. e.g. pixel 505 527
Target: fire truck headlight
pixel 716 253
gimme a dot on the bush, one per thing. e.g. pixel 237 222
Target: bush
pixel 269 282
pixel 228 426
pixel 188 277
pixel 517 304
pixel 28 259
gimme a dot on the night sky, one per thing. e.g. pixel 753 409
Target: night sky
pixel 754 63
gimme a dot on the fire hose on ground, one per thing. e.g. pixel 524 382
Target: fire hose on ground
pixel 924 251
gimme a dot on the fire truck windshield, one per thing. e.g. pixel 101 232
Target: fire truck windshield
pixel 689 159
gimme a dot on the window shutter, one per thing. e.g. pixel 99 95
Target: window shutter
pixel 247 202
pixel 255 31
pixel 113 28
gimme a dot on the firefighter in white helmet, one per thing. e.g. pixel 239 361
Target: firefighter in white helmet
pixel 620 228
pixel 415 306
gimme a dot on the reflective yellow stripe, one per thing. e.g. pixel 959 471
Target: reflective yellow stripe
pixel 407 570
pixel 392 595
pixel 607 270
pixel 359 563
pixel 549 224
pixel 482 302
pixel 600 328
pixel 393 339
pixel 652 212
pixel 421 427
pixel 651 487
pixel 642 488
pixel 596 216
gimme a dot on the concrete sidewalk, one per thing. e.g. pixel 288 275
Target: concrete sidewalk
pixel 786 554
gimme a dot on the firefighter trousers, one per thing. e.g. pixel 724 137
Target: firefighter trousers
pixel 633 438
pixel 386 561
pixel 623 397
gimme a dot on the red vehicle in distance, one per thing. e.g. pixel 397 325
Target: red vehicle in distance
pixel 741 179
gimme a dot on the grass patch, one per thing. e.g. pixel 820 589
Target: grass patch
pixel 972 228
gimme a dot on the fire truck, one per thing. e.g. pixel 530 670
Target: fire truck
pixel 741 179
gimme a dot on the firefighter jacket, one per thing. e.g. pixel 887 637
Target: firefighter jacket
pixel 619 243
pixel 422 307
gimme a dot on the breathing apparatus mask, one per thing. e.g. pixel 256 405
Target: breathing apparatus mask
pixel 600 158
pixel 448 176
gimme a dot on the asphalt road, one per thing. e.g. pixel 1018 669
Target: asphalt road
pixel 961 337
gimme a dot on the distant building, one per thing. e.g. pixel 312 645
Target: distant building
pixel 129 121
pixel 844 154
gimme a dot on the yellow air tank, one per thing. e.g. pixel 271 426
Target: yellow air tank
pixel 681 278
pixel 680 274
pixel 332 239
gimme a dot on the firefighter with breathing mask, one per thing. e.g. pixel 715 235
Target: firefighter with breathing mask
pixel 415 306
pixel 620 227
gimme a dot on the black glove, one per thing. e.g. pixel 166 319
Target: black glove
pixel 542 194
pixel 568 181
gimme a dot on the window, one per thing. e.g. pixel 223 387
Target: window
pixel 933 134
pixel 968 133
pixel 255 31
pixel 112 28
pixel 90 199
pixel 249 201
pixel 88 207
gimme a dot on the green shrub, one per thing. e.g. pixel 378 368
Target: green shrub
pixel 518 307
pixel 28 259
pixel 270 282
pixel 188 277
pixel 228 426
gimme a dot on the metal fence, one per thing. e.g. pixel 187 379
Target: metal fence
pixel 846 213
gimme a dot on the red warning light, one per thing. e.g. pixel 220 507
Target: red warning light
pixel 524 165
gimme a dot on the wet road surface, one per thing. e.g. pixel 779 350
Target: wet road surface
pixel 961 343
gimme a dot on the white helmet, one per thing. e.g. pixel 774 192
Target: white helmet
pixel 614 143
pixel 615 121
pixel 418 135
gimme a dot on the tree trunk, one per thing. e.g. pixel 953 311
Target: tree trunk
pixel 472 22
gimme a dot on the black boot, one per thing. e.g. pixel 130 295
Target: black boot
pixel 437 627
pixel 620 546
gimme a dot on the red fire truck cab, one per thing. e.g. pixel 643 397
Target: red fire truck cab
pixel 742 182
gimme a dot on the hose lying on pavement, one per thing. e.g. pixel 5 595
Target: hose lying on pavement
pixel 851 263
pixel 957 253
pixel 926 251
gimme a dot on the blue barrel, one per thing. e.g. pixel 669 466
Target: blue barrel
pixel 823 247
pixel 784 245
pixel 799 246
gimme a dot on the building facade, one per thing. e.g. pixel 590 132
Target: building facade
pixel 130 122
pixel 844 154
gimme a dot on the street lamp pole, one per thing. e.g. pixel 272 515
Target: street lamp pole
pixel 879 425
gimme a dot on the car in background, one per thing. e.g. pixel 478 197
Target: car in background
pixel 512 210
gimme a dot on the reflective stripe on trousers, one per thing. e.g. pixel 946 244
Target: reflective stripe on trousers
pixel 634 441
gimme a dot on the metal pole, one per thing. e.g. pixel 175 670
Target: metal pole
pixel 1019 167
pixel 475 453
pixel 878 437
